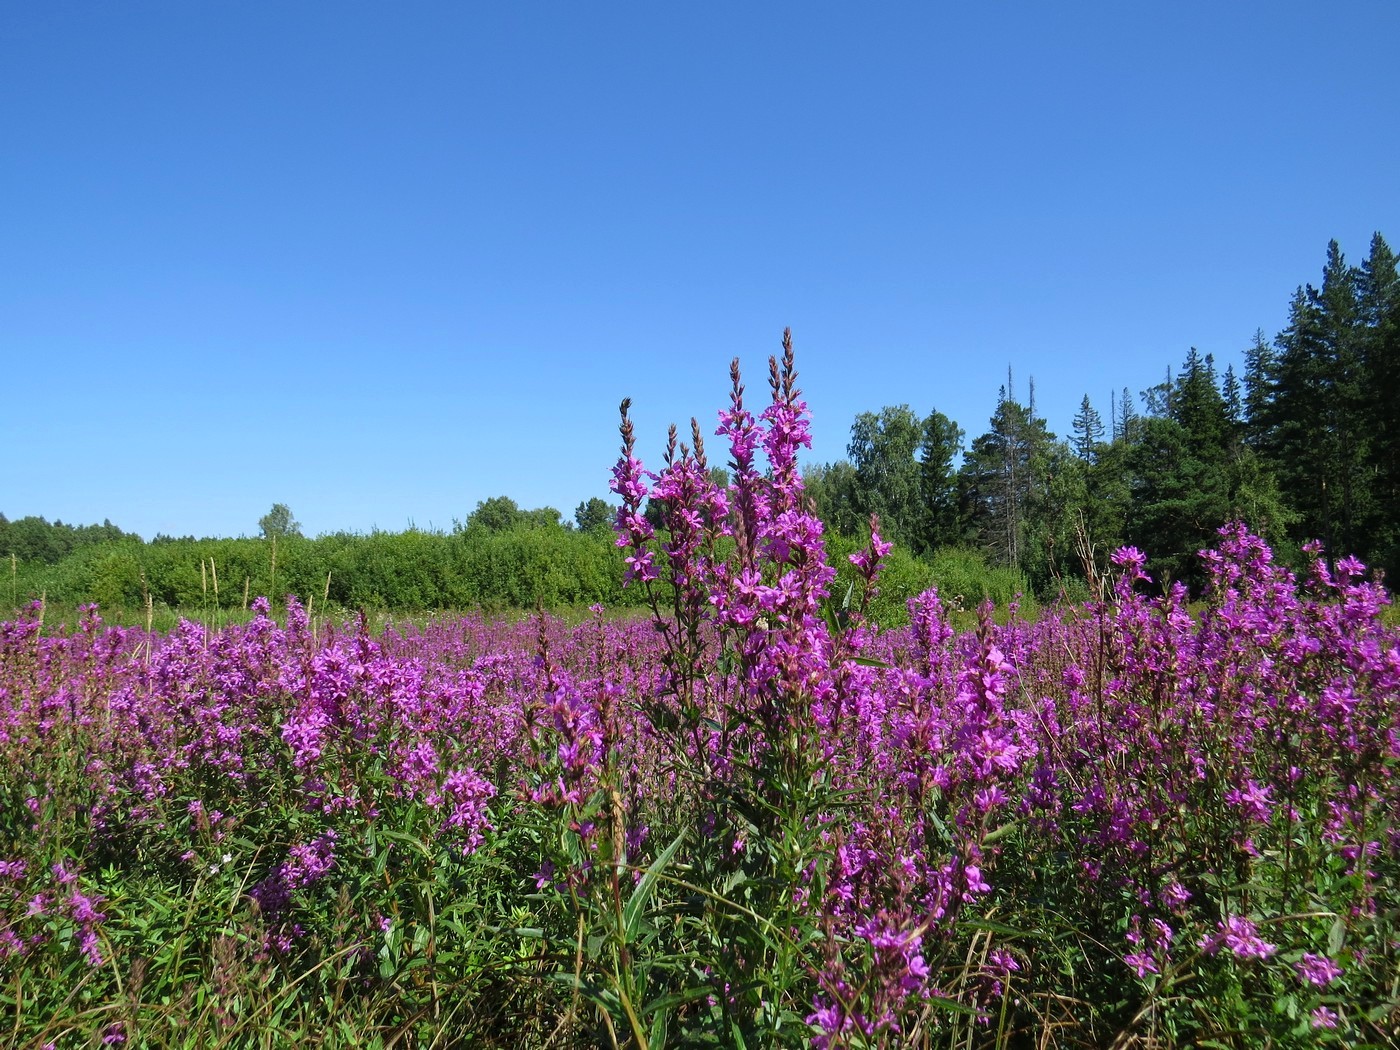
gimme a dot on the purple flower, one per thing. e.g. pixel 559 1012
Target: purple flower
pixel 1002 961
pixel 1141 963
pixel 82 909
pixel 545 876
pixel 92 951
pixel 1324 1018
pixel 1174 897
pixel 1132 562
pixel 1317 969
pixel 12 869
pixel 975 882
pixel 1252 801
pixel 1240 936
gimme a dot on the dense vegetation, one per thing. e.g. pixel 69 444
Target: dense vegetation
pixel 1306 445
pixel 754 821
pixel 515 566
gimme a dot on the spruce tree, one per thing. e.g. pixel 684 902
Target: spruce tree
pixel 939 446
pixel 1128 418
pixel 1314 421
pixel 1234 400
pixel 1378 301
pixel 1088 431
pixel 1004 490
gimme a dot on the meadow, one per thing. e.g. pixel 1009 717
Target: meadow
pixel 751 818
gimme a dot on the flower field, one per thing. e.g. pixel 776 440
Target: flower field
pixel 749 819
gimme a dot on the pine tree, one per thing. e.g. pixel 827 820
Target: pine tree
pixel 1191 472
pixel 1378 300
pixel 938 495
pixel 1088 431
pixel 1128 418
pixel 1196 403
pixel 1314 421
pixel 1003 487
pixel 1164 497
pixel 1157 399
pixel 1234 401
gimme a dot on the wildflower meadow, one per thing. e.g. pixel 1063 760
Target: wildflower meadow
pixel 749 818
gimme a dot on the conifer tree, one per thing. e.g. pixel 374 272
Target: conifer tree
pixel 1314 421
pixel 1260 370
pixel 1378 301
pixel 1088 431
pixel 1234 400
pixel 1004 487
pixel 1128 417
pixel 939 446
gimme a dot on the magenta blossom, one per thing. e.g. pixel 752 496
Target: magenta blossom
pixel 1240 936
pixel 1317 969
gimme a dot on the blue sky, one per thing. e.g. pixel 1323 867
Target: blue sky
pixel 380 262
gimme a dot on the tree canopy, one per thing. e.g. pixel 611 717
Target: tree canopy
pixel 278 523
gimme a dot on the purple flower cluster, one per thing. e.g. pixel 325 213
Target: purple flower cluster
pixel 1174 776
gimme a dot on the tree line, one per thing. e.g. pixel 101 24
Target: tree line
pixel 1305 446
pixel 502 556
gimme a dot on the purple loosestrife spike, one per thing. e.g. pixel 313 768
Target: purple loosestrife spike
pixel 1317 970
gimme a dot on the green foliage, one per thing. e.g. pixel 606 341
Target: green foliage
pixel 1315 409
pixel 409 571
pixel 501 514
pixel 961 574
pixel 278 523
pixel 1176 498
pixel 939 446
pixel 1088 431
pixel 832 488
pixel 35 539
pixel 900 470
pixel 1005 489
pixel 594 515
pixel 882 449
pixel 1305 446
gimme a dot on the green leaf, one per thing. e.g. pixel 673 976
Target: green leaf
pixel 829 614
pixel 1336 936
pixel 1000 833
pixel 406 839
pixel 666 1002
pixel 656 1038
pixel 953 1005
pixel 635 907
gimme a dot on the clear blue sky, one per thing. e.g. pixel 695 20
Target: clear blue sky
pixel 382 261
